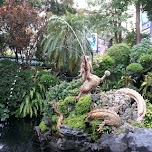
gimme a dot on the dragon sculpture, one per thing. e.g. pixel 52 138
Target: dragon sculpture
pixel 141 105
pixel 109 116
pixel 90 80
pixel 60 119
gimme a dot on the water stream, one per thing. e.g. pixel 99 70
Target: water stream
pixel 16 135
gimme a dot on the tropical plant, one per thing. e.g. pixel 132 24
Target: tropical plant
pixel 63 42
pixel 146 86
pixel 15 81
pixel 32 103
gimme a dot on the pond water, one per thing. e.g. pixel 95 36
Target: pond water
pixel 16 135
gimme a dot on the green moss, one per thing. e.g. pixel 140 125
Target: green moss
pixel 83 105
pixel 64 106
pixel 75 121
pixel 43 126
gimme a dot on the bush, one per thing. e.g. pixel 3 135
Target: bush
pixel 106 63
pixel 15 82
pixel 134 68
pixel 149 51
pixel 146 60
pixel 140 49
pixel 120 53
pixel 64 89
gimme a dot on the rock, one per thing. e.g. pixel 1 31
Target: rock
pixel 112 143
pixel 140 140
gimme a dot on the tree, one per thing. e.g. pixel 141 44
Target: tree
pixel 59 8
pixel 146 6
pixel 65 42
pixel 108 18
pixel 22 25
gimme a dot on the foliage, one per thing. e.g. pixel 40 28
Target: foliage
pixel 59 93
pixel 146 7
pixel 66 106
pixel 130 38
pixel 138 50
pixel 43 126
pixel 59 8
pixel 64 89
pixel 149 51
pixel 134 68
pixel 105 63
pixel 108 17
pixel 19 21
pixel 33 100
pixel 120 53
pixel 15 82
pixel 63 42
pixel 148 117
pixel 4 112
pixel 146 60
pixel 146 86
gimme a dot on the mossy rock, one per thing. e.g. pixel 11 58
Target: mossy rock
pixel 75 121
pixel 43 126
pixel 83 105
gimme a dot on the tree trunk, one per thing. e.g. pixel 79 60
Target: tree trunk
pixel 120 33
pixel 138 35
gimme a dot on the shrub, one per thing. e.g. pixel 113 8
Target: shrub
pixel 106 63
pixel 134 68
pixel 146 60
pixel 139 50
pixel 62 90
pixel 120 53
pixel 48 79
pixel 149 51
pixel 148 116
pixel 15 82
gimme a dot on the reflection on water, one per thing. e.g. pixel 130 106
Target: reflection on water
pixel 16 135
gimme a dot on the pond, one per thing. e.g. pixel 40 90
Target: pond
pixel 16 135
